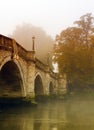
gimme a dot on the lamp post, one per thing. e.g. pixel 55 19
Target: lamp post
pixel 33 41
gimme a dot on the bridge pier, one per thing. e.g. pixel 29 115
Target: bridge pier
pixel 30 80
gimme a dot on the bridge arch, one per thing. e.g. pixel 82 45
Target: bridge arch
pixel 51 88
pixel 11 78
pixel 38 87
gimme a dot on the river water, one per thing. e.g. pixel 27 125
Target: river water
pixel 56 115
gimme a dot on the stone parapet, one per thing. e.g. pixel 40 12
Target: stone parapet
pixel 16 49
pixel 41 65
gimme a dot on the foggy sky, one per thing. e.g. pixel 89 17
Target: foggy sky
pixel 43 43
pixel 52 15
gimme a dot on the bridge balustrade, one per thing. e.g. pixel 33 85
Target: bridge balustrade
pixel 46 68
pixel 54 75
pixel 42 66
pixel 27 55
pixel 16 49
pixel 21 51
pixel 6 43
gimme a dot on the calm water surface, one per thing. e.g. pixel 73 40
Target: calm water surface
pixel 68 115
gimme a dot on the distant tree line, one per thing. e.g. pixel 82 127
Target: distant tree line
pixel 43 42
pixel 74 52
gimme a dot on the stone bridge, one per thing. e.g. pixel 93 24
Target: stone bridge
pixel 22 74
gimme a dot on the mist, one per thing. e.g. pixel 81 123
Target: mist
pixel 43 42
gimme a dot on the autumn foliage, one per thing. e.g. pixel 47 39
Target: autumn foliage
pixel 75 54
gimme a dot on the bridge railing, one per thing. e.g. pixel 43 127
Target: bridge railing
pixel 54 75
pixel 16 49
pixel 6 43
pixel 41 65
pixel 46 68
pixel 28 55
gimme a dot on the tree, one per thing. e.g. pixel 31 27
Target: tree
pixel 76 59
pixel 43 42
pixel 86 23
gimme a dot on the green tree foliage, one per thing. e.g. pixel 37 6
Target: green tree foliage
pixel 75 53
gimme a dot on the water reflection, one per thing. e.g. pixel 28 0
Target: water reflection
pixel 69 115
